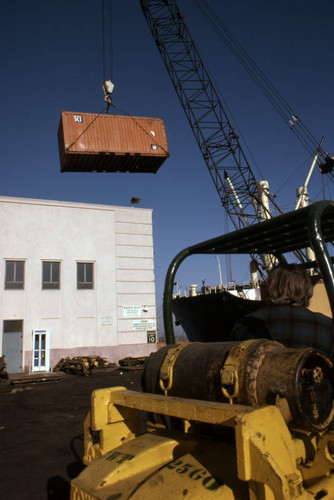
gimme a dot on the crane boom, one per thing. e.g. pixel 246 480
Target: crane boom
pixel 216 137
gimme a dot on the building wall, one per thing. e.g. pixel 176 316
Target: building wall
pixel 118 240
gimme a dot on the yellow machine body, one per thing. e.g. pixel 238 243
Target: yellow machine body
pixel 219 450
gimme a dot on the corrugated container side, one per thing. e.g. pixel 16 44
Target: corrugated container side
pixel 91 142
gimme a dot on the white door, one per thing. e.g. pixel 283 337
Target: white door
pixel 41 351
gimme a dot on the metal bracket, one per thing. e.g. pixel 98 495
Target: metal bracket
pixel 229 372
pixel 166 369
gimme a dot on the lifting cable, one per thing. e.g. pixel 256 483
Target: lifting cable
pixel 107 45
pixel 107 61
pixel 275 98
pixel 107 52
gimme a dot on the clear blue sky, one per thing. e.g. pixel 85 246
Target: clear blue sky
pixel 51 60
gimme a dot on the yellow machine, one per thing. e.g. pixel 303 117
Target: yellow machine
pixel 148 445
pixel 229 420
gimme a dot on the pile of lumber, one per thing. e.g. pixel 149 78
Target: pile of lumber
pixel 3 368
pixel 81 365
pixel 130 363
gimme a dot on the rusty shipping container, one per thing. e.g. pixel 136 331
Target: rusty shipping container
pixel 109 143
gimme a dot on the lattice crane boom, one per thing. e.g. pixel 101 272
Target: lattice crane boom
pixel 216 137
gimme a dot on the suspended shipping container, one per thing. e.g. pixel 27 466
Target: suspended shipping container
pixel 109 143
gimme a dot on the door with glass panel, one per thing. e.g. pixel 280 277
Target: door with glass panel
pixel 41 350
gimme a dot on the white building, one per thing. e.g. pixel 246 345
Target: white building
pixel 75 279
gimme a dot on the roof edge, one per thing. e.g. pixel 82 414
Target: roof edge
pixel 68 204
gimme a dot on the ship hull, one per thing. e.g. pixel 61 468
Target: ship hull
pixel 210 317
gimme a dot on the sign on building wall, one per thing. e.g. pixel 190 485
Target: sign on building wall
pixel 151 337
pixel 132 311
pixel 106 320
pixel 144 324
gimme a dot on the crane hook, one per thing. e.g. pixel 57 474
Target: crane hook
pixel 108 88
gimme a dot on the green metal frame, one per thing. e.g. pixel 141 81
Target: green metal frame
pixel 310 226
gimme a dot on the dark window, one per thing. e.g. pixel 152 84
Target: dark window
pixel 51 275
pixel 14 279
pixel 85 275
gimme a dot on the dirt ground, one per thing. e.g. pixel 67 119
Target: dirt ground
pixel 41 433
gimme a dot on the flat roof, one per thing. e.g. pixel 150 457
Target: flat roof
pixel 68 204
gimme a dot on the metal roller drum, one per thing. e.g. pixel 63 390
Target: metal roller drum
pixel 255 372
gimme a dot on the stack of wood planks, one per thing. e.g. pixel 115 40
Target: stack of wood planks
pixel 130 363
pixel 81 365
